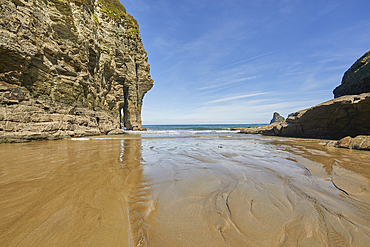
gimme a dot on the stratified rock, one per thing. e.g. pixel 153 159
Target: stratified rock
pixel 344 116
pixel 359 142
pixel 68 67
pixel 277 118
pixel 356 80
pixel 331 144
pixel 23 118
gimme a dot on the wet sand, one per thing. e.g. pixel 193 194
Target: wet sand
pixel 228 191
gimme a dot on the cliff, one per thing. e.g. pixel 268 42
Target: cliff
pixel 356 80
pixel 67 68
pixel 348 114
pixel 335 119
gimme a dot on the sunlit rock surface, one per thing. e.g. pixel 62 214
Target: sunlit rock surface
pixel 68 67
pixel 360 142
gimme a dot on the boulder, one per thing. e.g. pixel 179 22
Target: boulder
pixel 116 132
pixel 360 142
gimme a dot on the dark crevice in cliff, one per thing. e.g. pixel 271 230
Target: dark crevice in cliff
pixel 138 102
pixel 93 61
pixel 125 108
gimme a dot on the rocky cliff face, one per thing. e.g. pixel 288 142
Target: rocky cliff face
pixel 356 80
pixel 348 114
pixel 64 61
pixel 335 119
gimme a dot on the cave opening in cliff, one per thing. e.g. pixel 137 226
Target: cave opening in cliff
pixel 121 115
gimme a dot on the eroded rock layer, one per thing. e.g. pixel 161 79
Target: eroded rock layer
pixel 67 60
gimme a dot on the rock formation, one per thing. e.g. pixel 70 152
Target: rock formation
pixel 360 142
pixel 356 80
pixel 335 119
pixel 67 68
pixel 348 114
pixel 277 118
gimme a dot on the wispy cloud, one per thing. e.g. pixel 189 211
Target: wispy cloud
pixel 216 60
pixel 230 82
pixel 287 7
pixel 249 59
pixel 250 111
pixel 319 70
pixel 235 97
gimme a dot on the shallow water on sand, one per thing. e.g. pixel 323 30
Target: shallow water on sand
pixel 225 190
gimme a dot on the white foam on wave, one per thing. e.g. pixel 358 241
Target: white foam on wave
pixel 180 132
pixel 80 139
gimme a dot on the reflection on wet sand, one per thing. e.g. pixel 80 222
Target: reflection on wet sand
pixel 72 193
pixel 139 204
pixel 226 191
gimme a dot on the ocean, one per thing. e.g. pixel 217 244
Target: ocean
pixel 183 185
pixel 197 127
pixel 189 130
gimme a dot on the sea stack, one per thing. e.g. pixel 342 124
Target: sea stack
pixel 277 118
pixel 67 68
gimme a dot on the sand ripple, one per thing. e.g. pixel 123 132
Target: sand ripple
pixel 232 191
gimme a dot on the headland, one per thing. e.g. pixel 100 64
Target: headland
pixel 69 68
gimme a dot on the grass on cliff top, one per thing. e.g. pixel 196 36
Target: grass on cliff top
pixel 113 8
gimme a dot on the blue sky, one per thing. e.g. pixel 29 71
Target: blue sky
pixel 237 61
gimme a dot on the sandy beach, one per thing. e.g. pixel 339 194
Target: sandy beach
pixel 233 190
pixel 84 163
